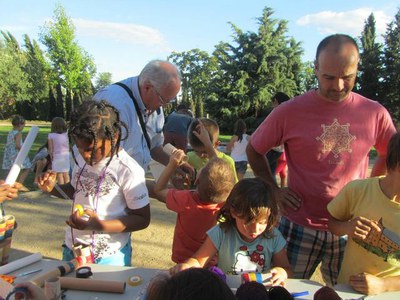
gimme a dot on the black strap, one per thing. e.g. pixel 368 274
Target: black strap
pixel 138 112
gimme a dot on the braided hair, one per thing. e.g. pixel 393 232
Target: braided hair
pixel 94 120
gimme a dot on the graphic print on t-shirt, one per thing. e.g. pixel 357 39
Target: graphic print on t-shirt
pixel 336 138
pixel 384 243
pixel 249 262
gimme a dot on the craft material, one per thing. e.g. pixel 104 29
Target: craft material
pixel 135 280
pixel 20 263
pixel 10 223
pixel 61 192
pixel 95 285
pixel 2 229
pixel 299 294
pixel 169 148
pixel 79 208
pixel 52 289
pixel 22 291
pixel 61 270
pixel 258 277
pixel 83 272
pixel 11 278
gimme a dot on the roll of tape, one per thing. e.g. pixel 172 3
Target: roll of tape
pixel 79 208
pixel 84 272
pixel 135 280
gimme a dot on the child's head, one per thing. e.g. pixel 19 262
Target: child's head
pixel 96 128
pixel 193 283
pixel 279 98
pixel 213 131
pixel 58 125
pixel 215 181
pixel 393 153
pixel 251 207
pixel 252 290
pixel 18 121
pixel 240 128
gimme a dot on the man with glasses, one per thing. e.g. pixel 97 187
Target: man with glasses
pixel 140 101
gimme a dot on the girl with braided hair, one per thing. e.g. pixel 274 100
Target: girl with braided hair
pixel 110 198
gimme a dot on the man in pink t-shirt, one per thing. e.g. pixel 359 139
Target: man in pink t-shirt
pixel 328 134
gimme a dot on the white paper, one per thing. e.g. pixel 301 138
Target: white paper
pixel 20 263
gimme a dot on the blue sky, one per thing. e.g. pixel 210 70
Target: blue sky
pixel 123 35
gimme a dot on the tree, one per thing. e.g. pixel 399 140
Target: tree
pixel 72 65
pixel 13 83
pixel 197 69
pixel 391 61
pixel 102 80
pixel 371 65
pixel 252 69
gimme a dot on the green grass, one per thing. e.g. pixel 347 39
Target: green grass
pixel 224 138
pixel 41 138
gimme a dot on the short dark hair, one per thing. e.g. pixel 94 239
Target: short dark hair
pixel 280 97
pixel 336 39
pixel 393 152
pixel 17 120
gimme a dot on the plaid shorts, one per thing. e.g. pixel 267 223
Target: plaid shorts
pixel 306 248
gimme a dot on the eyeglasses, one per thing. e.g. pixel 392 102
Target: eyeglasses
pixel 163 102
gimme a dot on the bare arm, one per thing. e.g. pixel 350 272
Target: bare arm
pixel 50 148
pixel 281 270
pixel 229 147
pixel 206 252
pixel 259 164
pixel 158 154
pixel 202 134
pixel 358 227
pixel 160 189
pixel 371 285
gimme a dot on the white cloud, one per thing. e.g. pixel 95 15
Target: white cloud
pixel 350 22
pixel 122 32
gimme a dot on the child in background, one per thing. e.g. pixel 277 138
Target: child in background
pixel 237 147
pixel 13 145
pixel 203 137
pixel 58 147
pixel 246 239
pixel 41 161
pixel 107 182
pixel 196 209
pixel 368 211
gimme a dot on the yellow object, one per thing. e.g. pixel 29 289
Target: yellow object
pixel 80 210
pixel 135 280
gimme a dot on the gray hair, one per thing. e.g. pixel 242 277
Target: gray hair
pixel 160 73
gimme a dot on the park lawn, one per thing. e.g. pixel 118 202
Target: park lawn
pixel 41 139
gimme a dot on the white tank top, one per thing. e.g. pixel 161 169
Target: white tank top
pixel 239 149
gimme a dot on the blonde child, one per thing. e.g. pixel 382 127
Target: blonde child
pixel 203 138
pixel 246 239
pixel 196 209
pixel 107 182
pixel 13 145
pixel 237 147
pixel 58 147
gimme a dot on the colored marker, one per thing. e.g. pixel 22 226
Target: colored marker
pixel 299 294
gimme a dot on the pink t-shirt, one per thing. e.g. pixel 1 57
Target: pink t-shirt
pixel 326 146
pixel 60 142
pixel 193 220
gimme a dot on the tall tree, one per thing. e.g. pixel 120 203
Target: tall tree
pixel 103 79
pixel 371 64
pixel 72 65
pixel 13 80
pixel 253 68
pixel 197 69
pixel 391 60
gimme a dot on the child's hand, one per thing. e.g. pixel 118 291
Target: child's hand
pixel 279 276
pixel 178 268
pixel 8 192
pixel 360 227
pixel 86 221
pixel 202 134
pixel 47 181
pixel 177 157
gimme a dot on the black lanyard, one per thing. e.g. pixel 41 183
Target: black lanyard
pixel 138 112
